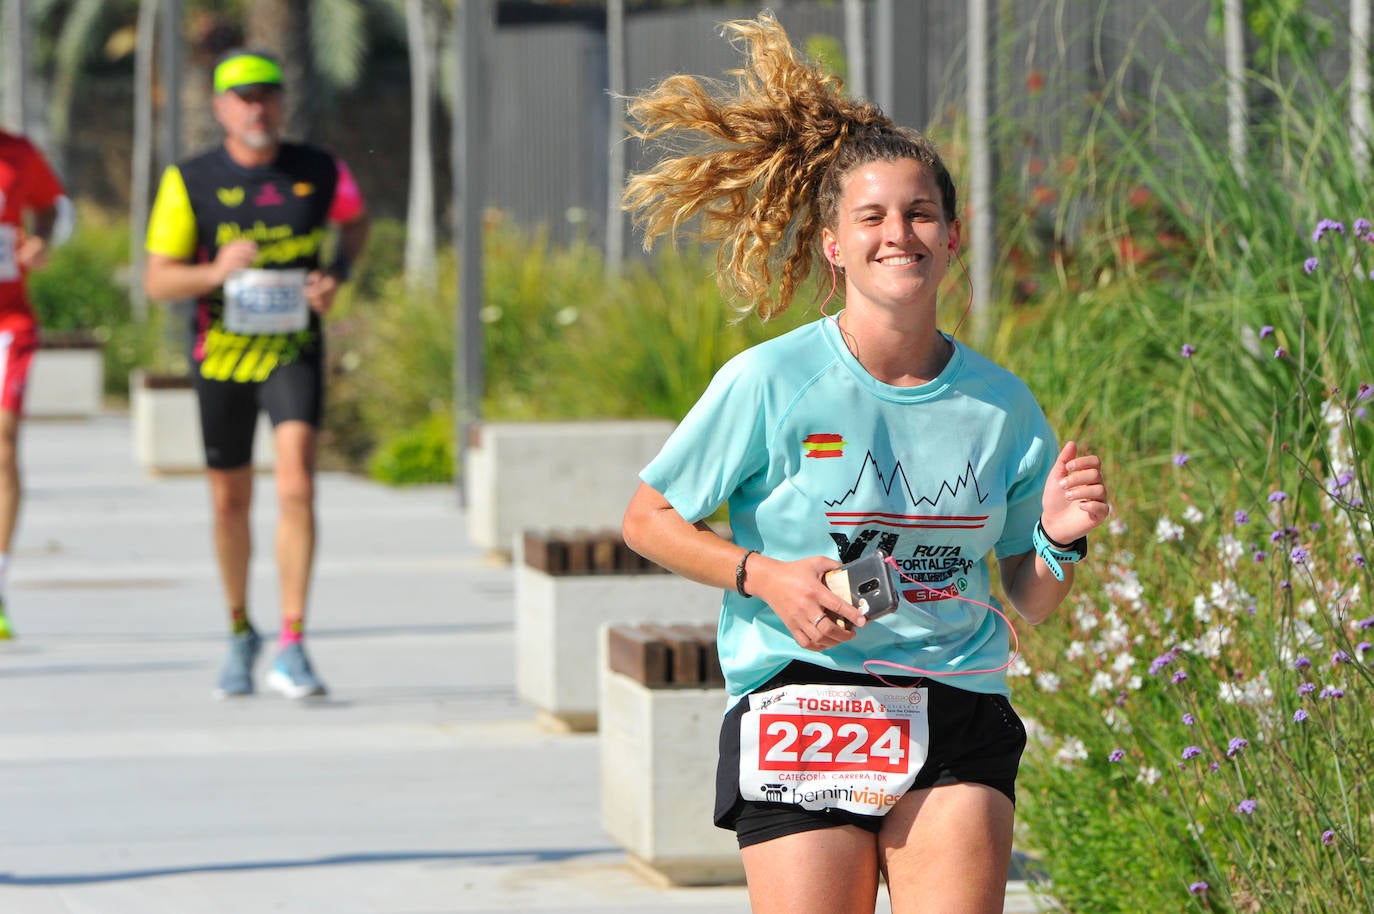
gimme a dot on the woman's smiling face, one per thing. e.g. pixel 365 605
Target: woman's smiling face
pixel 891 236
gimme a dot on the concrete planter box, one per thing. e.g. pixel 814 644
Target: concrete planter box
pixel 658 748
pixel 549 475
pixel 559 610
pixel 166 426
pixel 67 378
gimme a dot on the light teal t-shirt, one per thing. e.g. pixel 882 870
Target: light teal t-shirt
pixel 816 457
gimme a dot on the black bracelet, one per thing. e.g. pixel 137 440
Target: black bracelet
pixel 739 573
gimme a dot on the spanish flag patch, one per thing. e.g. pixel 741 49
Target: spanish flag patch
pixel 824 445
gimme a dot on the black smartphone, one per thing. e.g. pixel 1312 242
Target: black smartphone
pixel 866 583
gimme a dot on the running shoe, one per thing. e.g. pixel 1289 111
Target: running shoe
pixel 236 679
pixel 6 633
pixel 292 676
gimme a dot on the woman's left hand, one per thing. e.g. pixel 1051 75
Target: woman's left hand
pixel 1075 499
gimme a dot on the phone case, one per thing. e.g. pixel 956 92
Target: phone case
pixel 867 583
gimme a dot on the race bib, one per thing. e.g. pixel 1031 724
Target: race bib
pixel 265 301
pixel 9 260
pixel 833 746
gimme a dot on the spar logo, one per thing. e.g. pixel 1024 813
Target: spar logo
pixel 823 445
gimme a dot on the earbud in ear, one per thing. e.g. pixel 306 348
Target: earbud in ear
pixel 834 251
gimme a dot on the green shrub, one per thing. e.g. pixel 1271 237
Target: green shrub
pixel 84 286
pixel 422 454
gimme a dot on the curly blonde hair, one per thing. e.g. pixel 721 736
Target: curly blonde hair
pixel 762 163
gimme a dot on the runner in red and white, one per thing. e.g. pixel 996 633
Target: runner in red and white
pixel 29 194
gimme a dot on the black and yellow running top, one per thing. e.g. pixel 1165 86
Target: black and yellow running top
pixel 210 200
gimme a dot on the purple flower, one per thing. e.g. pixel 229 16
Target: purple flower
pixel 1339 657
pixel 1301 663
pixel 1276 536
pixel 1260 555
pixel 1180 460
pixel 1277 496
pixel 1247 807
pixel 1178 677
pixel 1327 225
pixel 1298 556
pixel 1117 755
pixel 1188 719
pixel 1364 647
pixel 1280 353
pixel 1237 744
pixel 1214 767
pixel 1359 560
pixel 1306 688
pixel 1365 392
pixel 1328 837
pixel 1365 624
pixel 1332 692
pixel 1242 518
pixel 1192 752
pixel 1299 716
pixel 1360 226
pixel 1266 331
pixel 1198 888
pixel 1285 585
pixel 1309 266
pixel 1188 350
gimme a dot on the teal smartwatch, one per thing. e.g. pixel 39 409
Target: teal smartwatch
pixel 1056 555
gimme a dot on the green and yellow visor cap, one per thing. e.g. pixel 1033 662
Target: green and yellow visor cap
pixel 246 71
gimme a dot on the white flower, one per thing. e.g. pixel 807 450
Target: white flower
pixel 1193 515
pixel 1102 682
pixel 1231 550
pixel 1255 692
pixel 1072 750
pixel 1147 776
pixel 1085 618
pixel 1047 682
pixel 1019 667
pixel 1123 663
pixel 1166 531
pixel 1202 610
pixel 1076 650
pixel 1213 640
pixel 1116 526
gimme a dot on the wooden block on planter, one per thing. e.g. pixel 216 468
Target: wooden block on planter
pixel 640 653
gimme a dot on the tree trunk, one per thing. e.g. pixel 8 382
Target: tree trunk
pixel 420 242
pixel 1359 85
pixel 616 82
pixel 856 48
pixel 142 156
pixel 16 64
pixel 982 217
pixel 1234 28
pixel 283 27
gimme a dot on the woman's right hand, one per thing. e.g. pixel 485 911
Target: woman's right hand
pixel 809 609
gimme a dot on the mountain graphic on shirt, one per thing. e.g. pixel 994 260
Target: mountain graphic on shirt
pixel 874 487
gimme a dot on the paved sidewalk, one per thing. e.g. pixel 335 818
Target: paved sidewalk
pixel 420 786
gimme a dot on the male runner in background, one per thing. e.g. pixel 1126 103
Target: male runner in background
pixel 240 228
pixel 27 187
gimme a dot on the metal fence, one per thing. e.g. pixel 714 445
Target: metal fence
pixel 1050 60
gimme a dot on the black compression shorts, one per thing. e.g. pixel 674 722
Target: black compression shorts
pixel 974 738
pixel 229 409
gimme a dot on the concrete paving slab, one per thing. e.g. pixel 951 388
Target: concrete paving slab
pixel 422 785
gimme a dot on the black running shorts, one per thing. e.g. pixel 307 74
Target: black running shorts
pixel 229 409
pixel 974 738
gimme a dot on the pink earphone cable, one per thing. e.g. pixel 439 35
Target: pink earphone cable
pixel 1015 641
